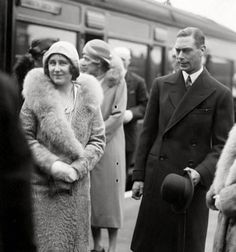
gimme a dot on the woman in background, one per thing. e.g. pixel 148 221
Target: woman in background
pixel 33 58
pixel 63 123
pixel 108 177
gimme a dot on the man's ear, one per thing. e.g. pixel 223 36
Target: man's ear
pixel 203 49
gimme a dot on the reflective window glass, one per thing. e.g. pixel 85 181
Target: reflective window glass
pixel 155 63
pixel 138 54
pixel 221 69
pixel 26 32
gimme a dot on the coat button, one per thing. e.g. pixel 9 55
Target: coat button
pixel 190 163
pixel 194 145
pixel 162 158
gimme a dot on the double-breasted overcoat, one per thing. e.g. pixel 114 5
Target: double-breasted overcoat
pixel 181 129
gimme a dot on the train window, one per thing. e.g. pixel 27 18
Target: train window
pixel 155 64
pixel 221 69
pixel 138 52
pixel 26 32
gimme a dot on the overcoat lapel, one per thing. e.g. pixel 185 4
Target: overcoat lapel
pixel 176 88
pixel 195 95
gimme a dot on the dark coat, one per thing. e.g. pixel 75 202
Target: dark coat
pixel 136 102
pixel 180 129
pixel 16 223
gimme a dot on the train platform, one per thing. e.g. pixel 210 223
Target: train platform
pixel 131 207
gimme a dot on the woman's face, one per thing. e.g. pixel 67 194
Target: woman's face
pixel 59 69
pixel 88 66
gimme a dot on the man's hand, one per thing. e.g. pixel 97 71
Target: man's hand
pixel 137 189
pixel 194 175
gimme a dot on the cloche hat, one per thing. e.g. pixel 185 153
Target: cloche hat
pixel 178 191
pixel 64 48
pixel 98 49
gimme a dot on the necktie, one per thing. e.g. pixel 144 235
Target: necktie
pixel 188 83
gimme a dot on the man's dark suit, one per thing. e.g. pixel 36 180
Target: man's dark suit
pixel 136 102
pixel 181 129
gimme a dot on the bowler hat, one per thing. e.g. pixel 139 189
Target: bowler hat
pixel 178 191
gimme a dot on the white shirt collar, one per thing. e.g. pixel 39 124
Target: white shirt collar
pixel 193 76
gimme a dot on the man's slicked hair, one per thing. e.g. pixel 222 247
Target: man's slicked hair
pixel 197 34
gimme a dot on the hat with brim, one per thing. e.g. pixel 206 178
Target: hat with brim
pixel 178 191
pixel 97 50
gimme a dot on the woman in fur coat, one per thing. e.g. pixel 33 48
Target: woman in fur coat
pixel 63 123
pixel 222 197
pixel 108 177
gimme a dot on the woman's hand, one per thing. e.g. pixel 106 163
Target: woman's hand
pixel 81 167
pixel 63 171
pixel 210 198
pixel 217 201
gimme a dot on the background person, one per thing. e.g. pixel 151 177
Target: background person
pixel 16 164
pixel 33 58
pixel 136 105
pixel 108 177
pixel 63 123
pixel 185 129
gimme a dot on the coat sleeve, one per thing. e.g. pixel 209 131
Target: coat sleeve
pixel 228 200
pixel 95 146
pixel 221 125
pixel 148 134
pixel 115 119
pixel 141 100
pixel 43 157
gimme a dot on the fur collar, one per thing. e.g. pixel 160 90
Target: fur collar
pixel 226 167
pixel 116 72
pixel 42 97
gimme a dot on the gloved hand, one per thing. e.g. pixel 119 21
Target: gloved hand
pixel 210 199
pixel 63 171
pixel 128 116
pixel 81 167
pixel 217 201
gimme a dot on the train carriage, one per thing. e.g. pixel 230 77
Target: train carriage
pixel 148 28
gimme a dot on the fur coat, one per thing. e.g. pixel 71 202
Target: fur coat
pixel 62 210
pixel 224 185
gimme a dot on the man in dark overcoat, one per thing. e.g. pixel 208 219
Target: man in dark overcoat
pixel 185 128
pixel 16 163
pixel 136 104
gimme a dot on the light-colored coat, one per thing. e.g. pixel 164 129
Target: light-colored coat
pixel 224 184
pixel 108 177
pixel 62 210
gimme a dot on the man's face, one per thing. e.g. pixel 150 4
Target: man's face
pixel 188 55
